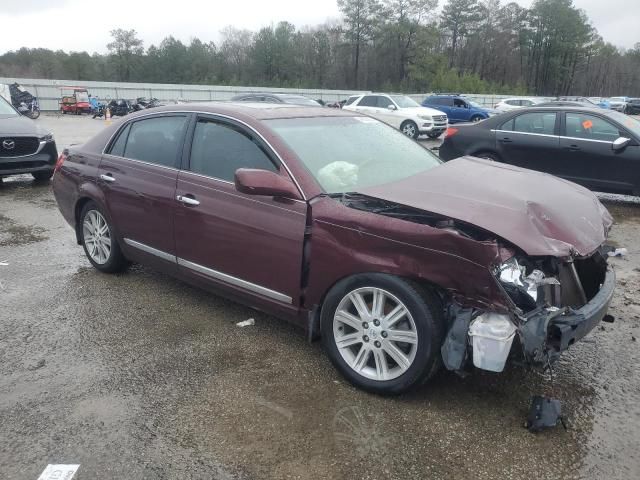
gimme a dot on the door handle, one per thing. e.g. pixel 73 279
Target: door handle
pixel 505 140
pixel 107 177
pixel 188 199
pixel 573 148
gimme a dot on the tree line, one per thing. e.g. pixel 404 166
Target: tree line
pixel 472 46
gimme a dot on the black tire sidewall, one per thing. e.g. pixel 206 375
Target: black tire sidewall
pixel 42 176
pixel 116 261
pixel 429 332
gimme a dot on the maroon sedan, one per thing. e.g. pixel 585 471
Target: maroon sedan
pixel 342 225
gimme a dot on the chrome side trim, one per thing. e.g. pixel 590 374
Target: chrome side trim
pixel 221 115
pixel 237 282
pixel 553 136
pixel 151 250
pixel 223 277
pixel 527 133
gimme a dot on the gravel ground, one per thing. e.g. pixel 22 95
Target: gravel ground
pixel 139 376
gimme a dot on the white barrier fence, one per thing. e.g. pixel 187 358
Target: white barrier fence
pixel 49 92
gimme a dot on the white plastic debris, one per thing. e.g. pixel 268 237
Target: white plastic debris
pixel 492 335
pixel 4 264
pixel 59 472
pixel 246 323
pixel 338 175
pixel 618 252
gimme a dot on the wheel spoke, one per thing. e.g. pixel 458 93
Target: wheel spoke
pixel 348 340
pixel 377 305
pixel 382 367
pixel 406 336
pixel 361 358
pixel 398 356
pixel 395 315
pixel 361 306
pixel 348 319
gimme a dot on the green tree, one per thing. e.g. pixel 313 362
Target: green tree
pixel 125 47
pixel 359 18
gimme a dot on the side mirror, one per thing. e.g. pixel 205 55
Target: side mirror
pixel 263 182
pixel 392 107
pixel 620 144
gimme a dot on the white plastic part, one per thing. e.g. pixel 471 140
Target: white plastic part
pixel 492 335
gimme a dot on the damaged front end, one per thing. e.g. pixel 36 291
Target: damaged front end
pixel 554 303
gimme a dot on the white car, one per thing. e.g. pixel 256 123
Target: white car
pixel 400 112
pixel 619 103
pixel 509 104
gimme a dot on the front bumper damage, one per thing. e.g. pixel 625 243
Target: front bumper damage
pixel 546 333
pixel 543 333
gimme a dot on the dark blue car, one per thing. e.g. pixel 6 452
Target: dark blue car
pixel 459 108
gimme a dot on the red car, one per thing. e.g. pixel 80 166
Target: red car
pixel 344 226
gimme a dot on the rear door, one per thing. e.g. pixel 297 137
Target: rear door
pixel 138 176
pixel 589 159
pixel 530 140
pixel 250 244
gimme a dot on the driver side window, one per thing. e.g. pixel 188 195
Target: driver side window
pixel 459 103
pixel 590 127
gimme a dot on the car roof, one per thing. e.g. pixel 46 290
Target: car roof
pixel 257 110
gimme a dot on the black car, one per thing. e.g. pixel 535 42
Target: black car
pixel 597 148
pixel 633 107
pixel 25 147
pixel 276 98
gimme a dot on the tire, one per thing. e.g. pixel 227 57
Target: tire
pixel 365 346
pixel 434 135
pixel 33 114
pixel 64 112
pixel 106 257
pixel 410 129
pixel 488 156
pixel 42 176
pixel 476 118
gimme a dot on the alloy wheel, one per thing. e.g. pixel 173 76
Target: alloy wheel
pixel 409 130
pixel 375 333
pixel 97 237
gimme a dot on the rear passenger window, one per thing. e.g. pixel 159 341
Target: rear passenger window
pixel 538 122
pixel 156 140
pixel 218 150
pixel 117 147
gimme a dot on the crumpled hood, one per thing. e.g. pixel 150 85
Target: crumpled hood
pixel 541 214
pixel 20 125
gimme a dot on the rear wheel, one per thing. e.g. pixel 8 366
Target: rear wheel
pixel 488 156
pixel 100 245
pixel 410 129
pixel 42 176
pixel 382 332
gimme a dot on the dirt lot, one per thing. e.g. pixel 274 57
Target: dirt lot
pixel 138 376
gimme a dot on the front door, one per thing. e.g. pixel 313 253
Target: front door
pixel 589 158
pixel 138 177
pixel 250 244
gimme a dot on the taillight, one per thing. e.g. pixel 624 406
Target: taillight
pixel 451 132
pixel 60 161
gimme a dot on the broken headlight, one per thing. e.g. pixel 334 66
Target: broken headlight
pixel 528 290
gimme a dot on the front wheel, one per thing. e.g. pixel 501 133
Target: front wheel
pixel 33 113
pixel 476 118
pixel 434 135
pixel 383 333
pixel 100 245
pixel 410 129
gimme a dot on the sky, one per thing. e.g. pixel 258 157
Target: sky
pixel 84 25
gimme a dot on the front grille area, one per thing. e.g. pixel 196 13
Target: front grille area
pixel 439 118
pixel 18 146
